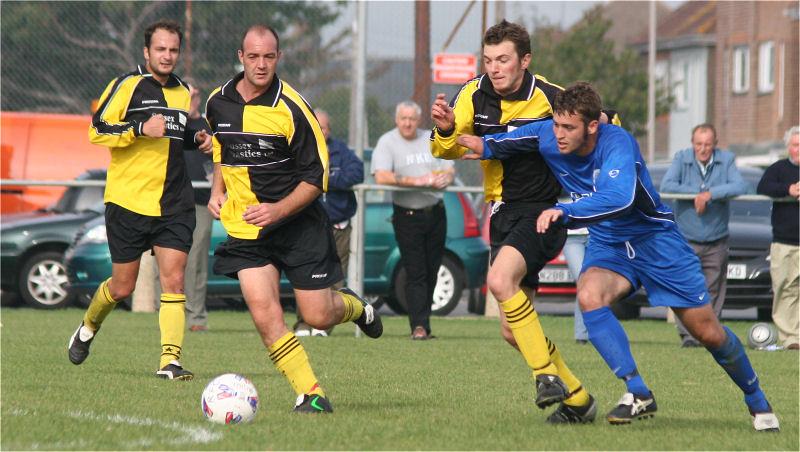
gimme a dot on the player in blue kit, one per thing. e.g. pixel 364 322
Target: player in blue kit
pixel 633 241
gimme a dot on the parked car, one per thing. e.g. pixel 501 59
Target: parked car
pixel 749 283
pixel 463 266
pixel 32 244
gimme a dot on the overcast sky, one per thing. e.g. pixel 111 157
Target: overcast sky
pixel 390 24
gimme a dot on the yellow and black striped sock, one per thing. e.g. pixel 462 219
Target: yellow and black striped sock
pixel 102 304
pixel 524 323
pixel 578 395
pixel 352 307
pixel 172 321
pixel 291 360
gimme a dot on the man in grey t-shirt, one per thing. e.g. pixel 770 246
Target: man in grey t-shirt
pixel 403 157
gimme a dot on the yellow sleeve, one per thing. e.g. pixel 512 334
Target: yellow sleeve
pixel 445 147
pixel 108 126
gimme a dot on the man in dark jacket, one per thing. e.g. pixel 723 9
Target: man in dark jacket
pixel 346 170
pixel 780 180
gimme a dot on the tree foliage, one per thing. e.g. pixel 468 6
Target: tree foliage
pixel 583 53
pixel 58 56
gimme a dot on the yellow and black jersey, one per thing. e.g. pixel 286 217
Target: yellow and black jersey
pixel 146 175
pixel 480 111
pixel 265 148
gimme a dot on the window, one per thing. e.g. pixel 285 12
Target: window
pixel 741 69
pixel 766 67
pixel 680 80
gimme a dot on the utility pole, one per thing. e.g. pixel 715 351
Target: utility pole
pixel 422 56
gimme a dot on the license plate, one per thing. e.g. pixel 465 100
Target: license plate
pixel 737 271
pixel 555 275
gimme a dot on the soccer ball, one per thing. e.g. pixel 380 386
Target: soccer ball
pixel 230 399
pixel 761 335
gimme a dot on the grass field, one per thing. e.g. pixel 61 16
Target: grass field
pixel 467 390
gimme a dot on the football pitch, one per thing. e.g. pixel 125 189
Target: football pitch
pixel 466 390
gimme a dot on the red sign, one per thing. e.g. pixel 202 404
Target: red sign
pixel 454 68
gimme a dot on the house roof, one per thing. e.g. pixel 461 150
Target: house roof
pixel 694 22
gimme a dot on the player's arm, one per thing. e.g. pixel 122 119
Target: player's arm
pixel 506 145
pixel 108 126
pixel 218 188
pixel 267 213
pixel 201 137
pixel 615 188
pixel 453 119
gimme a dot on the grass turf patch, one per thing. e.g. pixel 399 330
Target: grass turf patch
pixel 466 390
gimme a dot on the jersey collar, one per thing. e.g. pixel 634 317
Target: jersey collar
pixel 525 91
pixel 270 97
pixel 172 81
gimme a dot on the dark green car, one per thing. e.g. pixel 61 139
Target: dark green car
pixel 33 244
pixel 464 264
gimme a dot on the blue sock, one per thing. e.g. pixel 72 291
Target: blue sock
pixel 731 356
pixel 610 340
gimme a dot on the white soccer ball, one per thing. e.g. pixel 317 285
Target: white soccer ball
pixel 761 335
pixel 230 399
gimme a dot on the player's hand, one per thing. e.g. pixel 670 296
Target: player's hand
pixel 155 127
pixel 215 204
pixel 701 202
pixel 442 115
pixel 546 218
pixel 262 214
pixel 474 144
pixel 204 141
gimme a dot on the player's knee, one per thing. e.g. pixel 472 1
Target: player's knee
pixel 172 283
pixel 120 290
pixel 320 319
pixel 501 286
pixel 589 300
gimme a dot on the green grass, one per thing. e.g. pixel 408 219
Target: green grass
pixel 467 390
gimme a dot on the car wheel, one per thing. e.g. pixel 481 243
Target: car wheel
pixel 43 281
pixel 446 294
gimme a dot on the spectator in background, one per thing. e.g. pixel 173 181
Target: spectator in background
pixel 200 168
pixel 345 170
pixel 780 180
pixel 402 157
pixel 711 174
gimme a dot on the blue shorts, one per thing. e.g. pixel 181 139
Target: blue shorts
pixel 662 262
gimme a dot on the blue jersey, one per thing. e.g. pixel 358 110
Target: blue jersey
pixel 611 188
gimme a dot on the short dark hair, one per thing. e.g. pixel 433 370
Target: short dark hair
pixel 579 98
pixel 508 31
pixel 705 126
pixel 261 30
pixel 169 25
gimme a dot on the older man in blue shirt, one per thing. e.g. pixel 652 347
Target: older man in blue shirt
pixel 711 174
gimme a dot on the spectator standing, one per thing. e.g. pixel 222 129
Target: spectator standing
pixel 345 170
pixel 148 196
pixel 402 157
pixel 270 166
pixel 709 173
pixel 779 180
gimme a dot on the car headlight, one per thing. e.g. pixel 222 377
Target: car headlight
pixel 96 234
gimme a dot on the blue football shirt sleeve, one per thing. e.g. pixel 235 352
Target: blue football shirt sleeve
pixel 521 140
pixel 614 184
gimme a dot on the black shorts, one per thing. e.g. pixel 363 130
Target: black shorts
pixel 304 248
pixel 515 225
pixel 131 234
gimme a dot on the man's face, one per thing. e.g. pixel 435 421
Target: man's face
pixel 407 121
pixel 571 133
pixel 324 124
pixel 259 56
pixel 794 148
pixel 703 142
pixel 504 67
pixel 162 55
